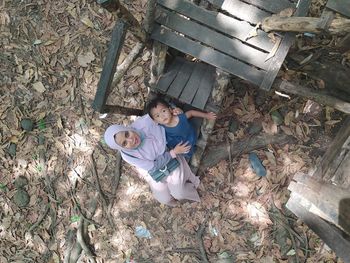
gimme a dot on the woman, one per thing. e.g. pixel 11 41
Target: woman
pixel 143 145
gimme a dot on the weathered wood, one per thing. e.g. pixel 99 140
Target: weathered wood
pixel 333 156
pixel 215 154
pixel 342 174
pixel 148 22
pixel 180 80
pixel 344 44
pixel 323 199
pixel 317 96
pixel 225 44
pixel 168 78
pixel 329 234
pixel 340 6
pixel 122 110
pixel 241 10
pixel 217 95
pixel 282 51
pixel 157 62
pixel 206 85
pixel 193 83
pixel 305 24
pixel 109 67
pixel 208 55
pixel 271 5
pixel 220 22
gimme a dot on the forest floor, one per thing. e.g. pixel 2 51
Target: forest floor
pixel 51 57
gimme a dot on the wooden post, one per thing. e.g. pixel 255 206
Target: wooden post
pixel 109 67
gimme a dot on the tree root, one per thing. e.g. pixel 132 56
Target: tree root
pixel 200 232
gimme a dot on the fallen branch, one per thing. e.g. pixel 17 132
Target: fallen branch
pixel 219 152
pixel 123 67
pixel 305 24
pixel 317 96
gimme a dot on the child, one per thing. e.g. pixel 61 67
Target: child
pixel 177 127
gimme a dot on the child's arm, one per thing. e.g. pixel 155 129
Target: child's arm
pixel 195 113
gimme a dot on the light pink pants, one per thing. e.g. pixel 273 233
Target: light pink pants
pixel 181 184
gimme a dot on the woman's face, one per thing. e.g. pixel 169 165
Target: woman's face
pixel 127 139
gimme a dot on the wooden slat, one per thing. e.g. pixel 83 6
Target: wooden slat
pixel 281 53
pixel 109 67
pixel 193 83
pixel 340 6
pixel 166 80
pixel 273 6
pixel 208 55
pixel 220 22
pixel 329 234
pixel 181 79
pixel 227 45
pixel 330 160
pixel 241 10
pixel 205 88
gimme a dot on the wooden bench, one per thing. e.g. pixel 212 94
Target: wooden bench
pixel 223 37
pixel 227 38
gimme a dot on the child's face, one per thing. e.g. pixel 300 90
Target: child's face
pixel 162 114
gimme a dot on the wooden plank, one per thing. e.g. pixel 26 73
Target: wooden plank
pixel 193 83
pixel 109 67
pixel 326 198
pixel 205 88
pixel 220 22
pixel 329 162
pixel 168 78
pixel 227 45
pixel 340 6
pixel 288 39
pixel 272 6
pixel 342 175
pixel 208 55
pixel 334 238
pixel 241 10
pixel 181 79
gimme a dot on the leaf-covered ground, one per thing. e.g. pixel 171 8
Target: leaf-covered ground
pixel 51 57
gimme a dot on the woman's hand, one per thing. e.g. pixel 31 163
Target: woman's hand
pixel 182 147
pixel 177 111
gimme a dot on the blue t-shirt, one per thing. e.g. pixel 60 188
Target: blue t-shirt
pixel 182 132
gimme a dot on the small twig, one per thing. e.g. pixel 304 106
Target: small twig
pixel 40 220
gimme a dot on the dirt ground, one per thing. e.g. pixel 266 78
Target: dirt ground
pixel 51 57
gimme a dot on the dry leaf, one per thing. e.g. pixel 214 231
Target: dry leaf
pixel 86 21
pixel 84 60
pixel 39 87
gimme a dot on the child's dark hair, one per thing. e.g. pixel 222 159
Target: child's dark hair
pixel 154 103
